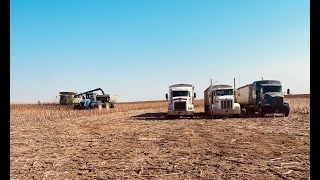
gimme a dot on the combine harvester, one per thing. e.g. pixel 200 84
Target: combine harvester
pixel 69 98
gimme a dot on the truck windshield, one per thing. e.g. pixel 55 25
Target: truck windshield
pixel 180 93
pixel 224 92
pixel 272 89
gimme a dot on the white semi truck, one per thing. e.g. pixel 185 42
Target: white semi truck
pixel 219 101
pixel 181 100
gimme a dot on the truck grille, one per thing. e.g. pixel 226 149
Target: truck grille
pixel 180 105
pixel 226 104
pixel 277 101
pixel 81 103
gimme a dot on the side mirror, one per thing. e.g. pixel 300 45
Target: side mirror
pixel 194 95
pixel 166 96
pixel 288 91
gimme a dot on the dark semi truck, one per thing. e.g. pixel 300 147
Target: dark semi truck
pixel 264 97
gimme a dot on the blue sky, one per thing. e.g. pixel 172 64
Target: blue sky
pixel 136 49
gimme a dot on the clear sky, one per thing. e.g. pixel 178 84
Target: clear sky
pixel 136 49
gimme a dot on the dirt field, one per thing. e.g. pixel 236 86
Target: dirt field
pixel 136 141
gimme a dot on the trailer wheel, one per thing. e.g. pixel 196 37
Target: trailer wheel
pixel 286 112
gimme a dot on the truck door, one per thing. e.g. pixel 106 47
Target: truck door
pixel 254 93
pixel 211 97
pixel 256 89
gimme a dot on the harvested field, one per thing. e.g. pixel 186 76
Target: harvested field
pixel 136 141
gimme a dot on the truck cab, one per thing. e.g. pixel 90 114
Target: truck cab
pixel 219 101
pixel 269 98
pixel 181 100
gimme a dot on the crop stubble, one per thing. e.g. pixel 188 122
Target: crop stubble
pixel 136 141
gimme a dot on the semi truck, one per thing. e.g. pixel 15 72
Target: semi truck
pixel 181 100
pixel 219 101
pixel 264 97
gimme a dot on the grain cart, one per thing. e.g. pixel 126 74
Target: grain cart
pixel 219 101
pixel 264 97
pixel 93 100
pixel 181 100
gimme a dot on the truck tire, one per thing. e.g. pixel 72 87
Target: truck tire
pixel 236 115
pixel 286 112
pixel 261 112
pixel 249 111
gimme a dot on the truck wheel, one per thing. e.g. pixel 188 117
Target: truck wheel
pixel 248 111
pixel 236 115
pixel 286 112
pixel 261 112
